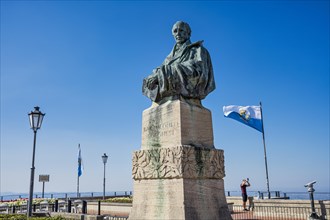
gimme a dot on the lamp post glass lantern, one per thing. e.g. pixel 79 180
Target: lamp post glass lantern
pixel 36 118
pixel 104 159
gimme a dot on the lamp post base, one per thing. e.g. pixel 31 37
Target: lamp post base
pixel 31 193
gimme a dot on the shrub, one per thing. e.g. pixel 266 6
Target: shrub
pixel 24 217
pixel 120 199
pixel 20 202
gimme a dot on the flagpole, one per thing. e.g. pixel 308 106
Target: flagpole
pixel 78 187
pixel 78 171
pixel 265 155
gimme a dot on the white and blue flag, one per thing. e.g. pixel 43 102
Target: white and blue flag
pixel 80 165
pixel 249 115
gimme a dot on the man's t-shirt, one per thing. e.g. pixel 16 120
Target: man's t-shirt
pixel 243 188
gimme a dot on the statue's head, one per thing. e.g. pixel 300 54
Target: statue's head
pixel 181 32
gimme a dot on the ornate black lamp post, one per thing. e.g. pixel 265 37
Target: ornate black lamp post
pixel 36 118
pixel 104 159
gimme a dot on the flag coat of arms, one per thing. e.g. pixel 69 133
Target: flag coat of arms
pixel 248 115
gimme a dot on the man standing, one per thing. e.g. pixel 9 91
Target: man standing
pixel 245 183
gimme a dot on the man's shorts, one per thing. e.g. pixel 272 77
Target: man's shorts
pixel 244 196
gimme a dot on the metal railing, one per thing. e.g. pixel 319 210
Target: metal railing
pixel 257 194
pixel 255 213
pixel 282 195
pixel 263 211
pixel 22 209
pixel 65 195
pixel 274 213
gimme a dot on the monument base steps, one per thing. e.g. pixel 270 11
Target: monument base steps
pixel 176 199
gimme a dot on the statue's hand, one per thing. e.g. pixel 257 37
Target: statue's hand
pixel 152 82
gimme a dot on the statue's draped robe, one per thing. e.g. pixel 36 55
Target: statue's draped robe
pixel 186 72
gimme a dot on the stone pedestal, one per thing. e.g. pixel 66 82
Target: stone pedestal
pixel 178 174
pixel 176 123
pixel 175 199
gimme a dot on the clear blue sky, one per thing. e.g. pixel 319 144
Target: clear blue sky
pixel 83 63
